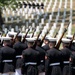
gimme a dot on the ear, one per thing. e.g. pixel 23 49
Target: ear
pixel 46 57
pixel 70 59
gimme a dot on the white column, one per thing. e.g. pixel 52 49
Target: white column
pixel 33 25
pixel 23 28
pixel 40 25
pixel 6 19
pixel 54 7
pixel 36 21
pixel 50 3
pixel 47 25
pixel 58 14
pixel 3 27
pixel 9 27
pixel 5 30
pixel 17 20
pixel 27 24
pixel 16 28
pixel 42 21
pixel 13 13
pixel 32 16
pixel 23 13
pixel 65 7
pixel 29 20
pixel 12 20
pixel 70 26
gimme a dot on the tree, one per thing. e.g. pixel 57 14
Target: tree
pixel 4 3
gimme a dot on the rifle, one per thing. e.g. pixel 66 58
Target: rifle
pixel 25 36
pixel 6 33
pixel 1 34
pixel 34 45
pixel 33 33
pixel 55 35
pixel 16 36
pixel 59 42
pixel 71 40
pixel 43 38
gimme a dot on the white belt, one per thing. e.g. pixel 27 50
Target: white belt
pixel 30 63
pixel 66 62
pixel 18 56
pixel 73 67
pixel 7 60
pixel 54 64
pixel 42 61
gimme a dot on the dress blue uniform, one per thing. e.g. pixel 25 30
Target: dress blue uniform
pixel 65 52
pixel 53 60
pixel 7 58
pixel 31 59
pixel 19 47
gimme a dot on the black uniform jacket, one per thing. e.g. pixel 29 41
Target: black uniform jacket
pixel 72 64
pixel 73 47
pixel 19 47
pixel 30 55
pixel 46 47
pixel 42 58
pixel 66 52
pixel 52 64
pixel 7 59
pixel 31 61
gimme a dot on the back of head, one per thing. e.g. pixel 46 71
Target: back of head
pixel 46 41
pixel 30 41
pixel 65 42
pixel 18 38
pixel 6 41
pixel 38 42
pixel 52 42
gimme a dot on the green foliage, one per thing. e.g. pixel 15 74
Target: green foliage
pixel 8 3
pixel 73 29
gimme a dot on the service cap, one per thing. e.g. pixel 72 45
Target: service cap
pixel 65 40
pixel 31 39
pixel 73 41
pixel 69 36
pixel 6 39
pixel 53 40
